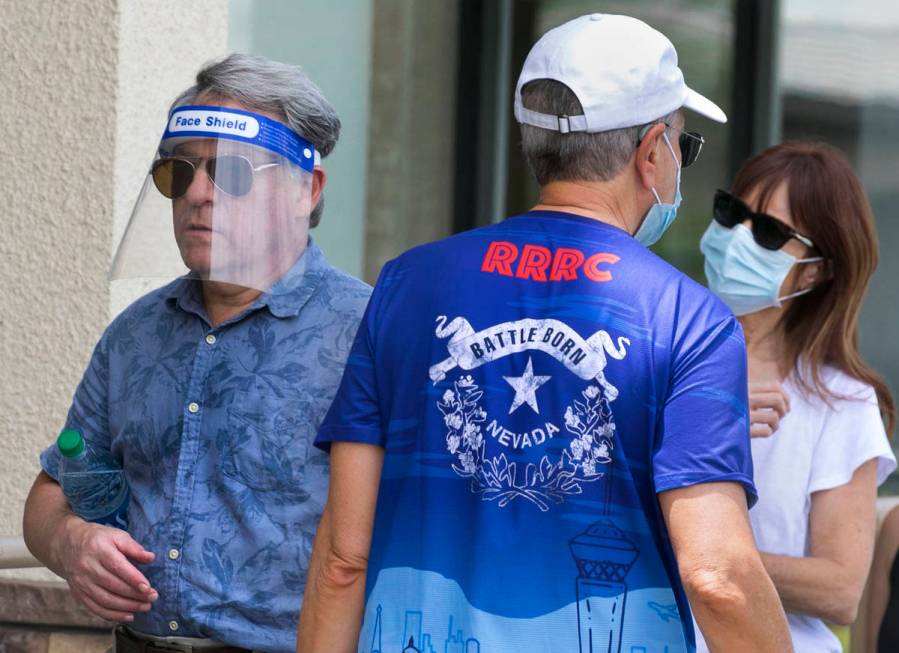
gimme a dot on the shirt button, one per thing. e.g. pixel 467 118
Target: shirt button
pixel 173 625
pixel 210 339
pixel 193 407
pixel 173 554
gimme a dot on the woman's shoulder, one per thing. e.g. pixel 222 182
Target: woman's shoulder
pixel 848 429
pixel 838 389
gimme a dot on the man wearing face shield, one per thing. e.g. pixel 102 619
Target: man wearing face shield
pixel 209 391
pixel 556 436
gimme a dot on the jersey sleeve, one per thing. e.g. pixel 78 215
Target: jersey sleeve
pixel 89 412
pixel 356 415
pixel 703 436
pixel 853 433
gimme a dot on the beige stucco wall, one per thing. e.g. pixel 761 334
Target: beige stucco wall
pixel 85 88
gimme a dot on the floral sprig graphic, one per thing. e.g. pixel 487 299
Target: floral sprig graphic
pixel 463 416
pixel 497 479
pixel 592 425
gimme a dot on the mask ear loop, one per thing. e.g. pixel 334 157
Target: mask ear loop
pixel 804 291
pixel 676 162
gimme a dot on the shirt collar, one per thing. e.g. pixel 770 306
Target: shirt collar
pixel 293 290
pixel 284 299
pixel 184 293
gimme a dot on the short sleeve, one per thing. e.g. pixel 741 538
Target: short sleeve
pixel 705 425
pixel 355 414
pixel 89 412
pixel 852 434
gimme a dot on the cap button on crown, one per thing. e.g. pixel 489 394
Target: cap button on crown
pixel 595 16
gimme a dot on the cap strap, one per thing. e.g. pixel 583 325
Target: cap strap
pixel 562 124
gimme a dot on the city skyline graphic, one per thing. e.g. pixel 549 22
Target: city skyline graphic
pixel 415 641
pixel 599 623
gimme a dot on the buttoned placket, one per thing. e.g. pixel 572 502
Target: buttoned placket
pixel 185 480
pixel 170 612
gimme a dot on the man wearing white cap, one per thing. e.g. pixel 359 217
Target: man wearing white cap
pixel 541 439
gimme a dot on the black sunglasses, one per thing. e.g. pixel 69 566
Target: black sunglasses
pixel 767 231
pixel 230 173
pixel 690 143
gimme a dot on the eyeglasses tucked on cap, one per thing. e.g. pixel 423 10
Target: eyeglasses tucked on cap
pixel 690 143
pixel 230 173
pixel 767 231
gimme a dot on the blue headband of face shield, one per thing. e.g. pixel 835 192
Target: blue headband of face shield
pixel 196 121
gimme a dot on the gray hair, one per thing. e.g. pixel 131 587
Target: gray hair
pixel 575 156
pixel 261 84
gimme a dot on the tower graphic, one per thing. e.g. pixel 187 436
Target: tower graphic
pixel 427 645
pixel 456 642
pixel 412 631
pixel 376 634
pixel 604 556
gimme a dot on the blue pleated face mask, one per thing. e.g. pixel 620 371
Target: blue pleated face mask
pixel 661 215
pixel 745 275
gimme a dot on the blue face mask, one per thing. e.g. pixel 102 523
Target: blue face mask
pixel 745 275
pixel 661 215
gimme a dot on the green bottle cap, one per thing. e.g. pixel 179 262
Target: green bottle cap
pixel 70 443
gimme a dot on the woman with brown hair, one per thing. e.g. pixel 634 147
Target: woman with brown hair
pixel 791 250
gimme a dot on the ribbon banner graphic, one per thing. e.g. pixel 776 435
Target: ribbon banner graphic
pixel 469 349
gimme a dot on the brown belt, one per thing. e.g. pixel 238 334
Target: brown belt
pixel 127 642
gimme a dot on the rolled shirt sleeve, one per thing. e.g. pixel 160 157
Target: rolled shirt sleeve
pixel 853 434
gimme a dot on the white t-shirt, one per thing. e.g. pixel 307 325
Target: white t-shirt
pixel 816 447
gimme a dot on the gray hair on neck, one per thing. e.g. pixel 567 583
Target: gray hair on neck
pixel 261 84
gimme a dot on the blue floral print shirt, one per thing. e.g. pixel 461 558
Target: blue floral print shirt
pixel 214 427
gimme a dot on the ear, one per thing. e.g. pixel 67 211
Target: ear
pixel 647 156
pixel 813 274
pixel 319 179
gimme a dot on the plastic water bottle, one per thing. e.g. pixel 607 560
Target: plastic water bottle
pixel 92 481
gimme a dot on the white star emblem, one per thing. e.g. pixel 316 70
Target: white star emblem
pixel 525 387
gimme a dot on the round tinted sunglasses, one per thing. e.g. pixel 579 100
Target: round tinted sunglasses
pixel 690 143
pixel 767 231
pixel 231 173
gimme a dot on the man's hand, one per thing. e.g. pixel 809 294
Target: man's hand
pixel 96 562
pixel 768 403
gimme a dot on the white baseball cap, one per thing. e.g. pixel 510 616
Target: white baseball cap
pixel 623 72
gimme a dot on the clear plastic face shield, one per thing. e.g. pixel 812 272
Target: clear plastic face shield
pixel 227 199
